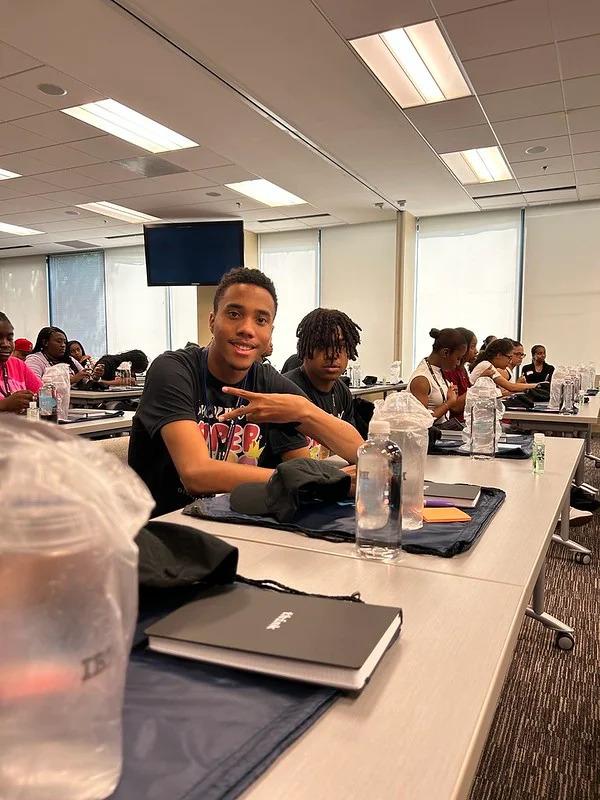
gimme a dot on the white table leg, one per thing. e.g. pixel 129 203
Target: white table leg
pixel 582 554
pixel 563 633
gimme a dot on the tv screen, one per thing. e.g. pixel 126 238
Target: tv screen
pixel 192 253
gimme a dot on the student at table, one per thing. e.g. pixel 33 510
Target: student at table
pixel 18 384
pixel 51 348
pixel 327 340
pixel 460 376
pixel 212 418
pixel 488 340
pixel 516 359
pixel 538 371
pixel 428 384
pixel 496 356
pixel 137 359
pixel 22 349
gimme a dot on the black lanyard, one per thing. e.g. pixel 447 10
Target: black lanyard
pixel 6 390
pixel 223 444
pixel 437 383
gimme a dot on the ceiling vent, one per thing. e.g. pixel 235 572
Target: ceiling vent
pixel 149 166
pixel 292 219
pixel 77 245
pixel 17 247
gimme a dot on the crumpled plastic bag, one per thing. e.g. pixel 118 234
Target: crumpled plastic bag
pixel 59 376
pixel 403 411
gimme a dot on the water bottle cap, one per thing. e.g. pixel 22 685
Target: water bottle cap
pixel 538 437
pixel 32 404
pixel 379 427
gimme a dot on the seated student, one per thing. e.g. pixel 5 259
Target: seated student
pixel 460 376
pixel 22 349
pixel 488 340
pixel 497 355
pixel 185 440
pixel 428 383
pixel 76 351
pixel 326 340
pixel 293 362
pixel 516 359
pixel 538 371
pixel 137 359
pixel 18 384
pixel 51 348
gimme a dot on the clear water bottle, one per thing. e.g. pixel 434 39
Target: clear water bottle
pixel 356 376
pixel 33 412
pixel 47 402
pixel 567 399
pixel 482 419
pixel 379 495
pixel 538 454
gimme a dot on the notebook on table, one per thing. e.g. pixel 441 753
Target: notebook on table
pixel 319 640
pixel 460 495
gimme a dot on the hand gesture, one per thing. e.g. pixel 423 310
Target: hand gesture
pixel 17 402
pixel 265 407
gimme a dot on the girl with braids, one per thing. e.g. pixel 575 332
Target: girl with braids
pixel 51 348
pixel 18 384
pixel 327 340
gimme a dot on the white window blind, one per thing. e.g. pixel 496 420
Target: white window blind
pixel 76 283
pixel 467 275
pixel 184 315
pixel 291 260
pixel 24 294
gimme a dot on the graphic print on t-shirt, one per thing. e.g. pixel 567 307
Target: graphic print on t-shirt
pixel 246 439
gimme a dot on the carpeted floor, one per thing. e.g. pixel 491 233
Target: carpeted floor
pixel 545 739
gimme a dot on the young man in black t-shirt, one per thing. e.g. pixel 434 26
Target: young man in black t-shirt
pixel 327 339
pixel 212 418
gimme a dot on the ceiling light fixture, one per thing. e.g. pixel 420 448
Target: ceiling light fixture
pixel 537 148
pixel 6 174
pixel 127 124
pixel 415 64
pixel 17 230
pixel 266 192
pixel 52 89
pixel 482 165
pixel 118 212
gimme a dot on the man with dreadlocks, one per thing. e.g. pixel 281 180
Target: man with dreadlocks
pixel 327 339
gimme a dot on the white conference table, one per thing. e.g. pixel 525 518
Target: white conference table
pixel 93 426
pixel 81 397
pixel 418 728
pixel 377 388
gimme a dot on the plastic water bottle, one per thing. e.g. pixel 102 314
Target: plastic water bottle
pixel 356 376
pixel 33 412
pixel 47 402
pixel 567 400
pixel 538 454
pixel 481 419
pixel 379 495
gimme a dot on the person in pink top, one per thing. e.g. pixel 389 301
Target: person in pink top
pixel 18 383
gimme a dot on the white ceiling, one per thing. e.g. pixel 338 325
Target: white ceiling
pixel 273 90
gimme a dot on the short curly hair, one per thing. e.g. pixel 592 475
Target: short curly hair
pixel 244 275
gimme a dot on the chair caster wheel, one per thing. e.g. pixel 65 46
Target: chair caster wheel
pixel 564 641
pixel 583 558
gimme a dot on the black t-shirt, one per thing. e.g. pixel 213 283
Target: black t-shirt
pixel 337 402
pixel 174 390
pixel 531 376
pixel 293 362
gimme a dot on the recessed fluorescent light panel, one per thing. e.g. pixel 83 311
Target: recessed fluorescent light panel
pixel 5 174
pixel 483 165
pixel 17 230
pixel 414 64
pixel 124 122
pixel 266 192
pixel 118 212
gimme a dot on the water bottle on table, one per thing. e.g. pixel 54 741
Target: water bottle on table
pixel 379 495
pixel 538 454
pixel 482 419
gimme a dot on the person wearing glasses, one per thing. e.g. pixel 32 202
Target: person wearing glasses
pixel 516 359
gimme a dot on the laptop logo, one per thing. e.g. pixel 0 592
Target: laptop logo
pixel 279 621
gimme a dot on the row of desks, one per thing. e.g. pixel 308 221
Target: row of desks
pixel 418 728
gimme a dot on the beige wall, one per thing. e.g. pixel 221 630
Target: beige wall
pixel 405 296
pixel 206 293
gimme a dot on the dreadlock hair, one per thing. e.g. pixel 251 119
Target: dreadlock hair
pixel 329 330
pixel 253 277
pixel 499 347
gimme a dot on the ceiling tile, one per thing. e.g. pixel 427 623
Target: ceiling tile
pixel 109 148
pixel 575 18
pixel 229 174
pixel 57 127
pixel 557 146
pixel 589 191
pixel 23 187
pixel 528 67
pixel 582 92
pixel 460 113
pixel 174 200
pixel 478 190
pixel 586 142
pixel 544 98
pixel 106 173
pixel 66 197
pixel 32 203
pixel 551 196
pixel 582 120
pixel 587 176
pixel 500 28
pixel 579 57
pixel 195 158
pixel 543 126
pixel 22 163
pixel 176 185
pixel 548 181
pixel 60 156
pixel 354 18
pixel 510 201
pixel 462 139
pixel 13 105
pixel 456 6
pixel 26 83
pixel 12 60
pixel 587 161
pixel 534 168
pixel 67 179
pixel 15 140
